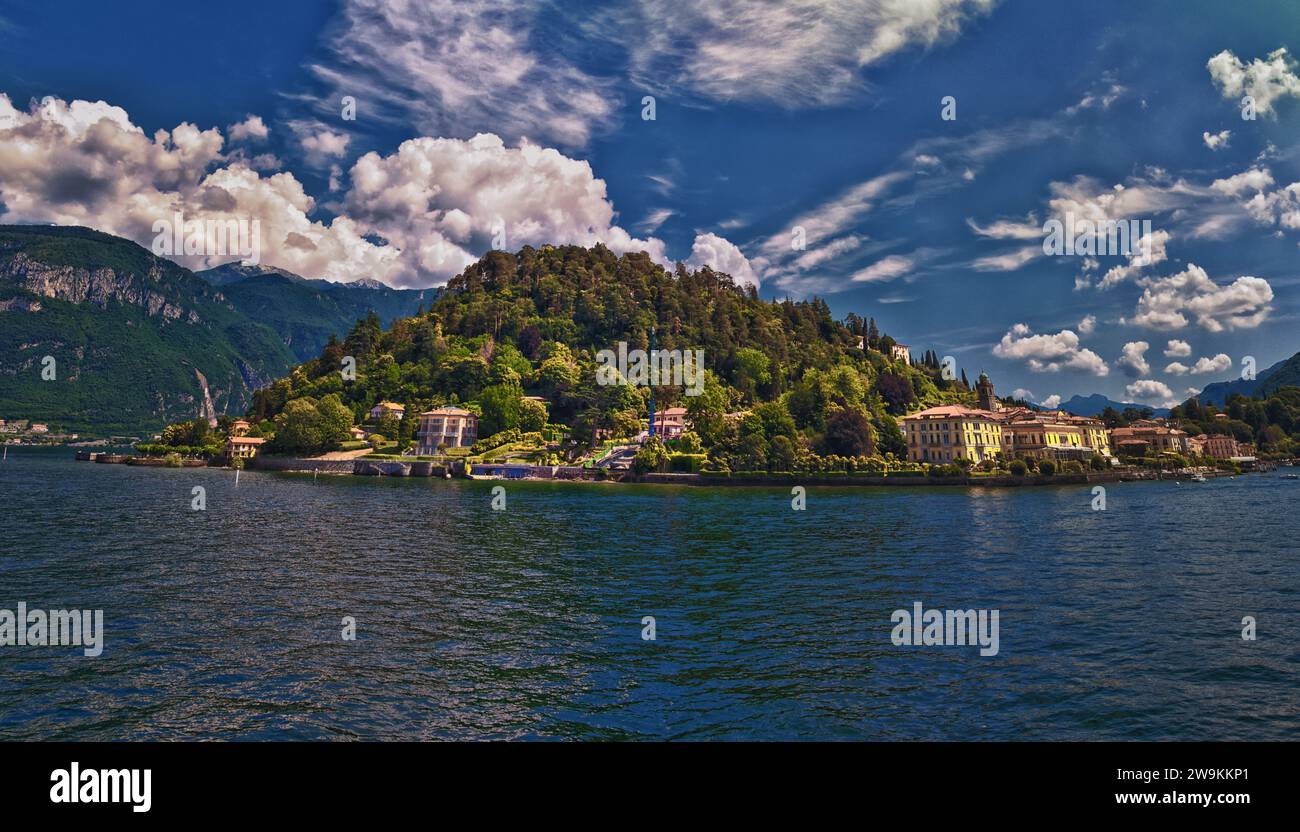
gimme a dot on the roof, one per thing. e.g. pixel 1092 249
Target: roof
pixel 246 440
pixel 447 411
pixel 949 411
pixel 390 406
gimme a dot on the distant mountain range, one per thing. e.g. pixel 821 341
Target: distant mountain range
pixel 307 312
pixel 1093 405
pixel 1284 373
pixel 139 341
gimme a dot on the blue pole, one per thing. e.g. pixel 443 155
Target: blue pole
pixel 654 362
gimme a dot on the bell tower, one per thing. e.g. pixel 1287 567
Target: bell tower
pixel 988 401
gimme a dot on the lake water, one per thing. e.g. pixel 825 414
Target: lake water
pixel 527 622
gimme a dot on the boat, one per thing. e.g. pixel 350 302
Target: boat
pixel 1199 478
pixel 1291 476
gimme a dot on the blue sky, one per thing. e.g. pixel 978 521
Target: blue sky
pixel 819 115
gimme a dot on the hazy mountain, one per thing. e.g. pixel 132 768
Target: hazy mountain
pixel 307 312
pixel 1282 374
pixel 136 340
pixel 1094 404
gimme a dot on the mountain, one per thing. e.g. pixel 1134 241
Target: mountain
pixel 137 340
pixel 1282 374
pixel 520 339
pixel 1093 406
pixel 307 312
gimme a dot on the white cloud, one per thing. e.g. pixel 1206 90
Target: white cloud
pixel 1214 141
pixel 1255 179
pixel 1149 250
pixel 1133 361
pixel 1023 394
pixel 442 200
pixel 250 129
pixel 1167 302
pixel 1028 229
pixel 886 269
pixel 794 54
pixel 86 164
pixel 321 145
pixel 435 202
pixel 1151 390
pixel 721 255
pixel 1177 368
pixel 1008 261
pixel 1088 325
pixel 449 68
pixel 1266 81
pixel 1177 349
pixel 1218 364
pixel 1051 402
pixel 1049 353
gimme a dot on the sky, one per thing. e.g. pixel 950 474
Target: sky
pixel 899 158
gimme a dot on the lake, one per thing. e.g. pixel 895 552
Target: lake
pixel 527 622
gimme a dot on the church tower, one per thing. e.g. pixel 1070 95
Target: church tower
pixel 988 401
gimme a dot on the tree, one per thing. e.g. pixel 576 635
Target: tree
pixel 782 454
pixel 707 411
pixel 501 408
pixel 897 392
pixel 653 456
pixel 532 416
pixel 753 370
pixel 848 433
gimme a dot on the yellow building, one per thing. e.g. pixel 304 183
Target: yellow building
pixel 952 432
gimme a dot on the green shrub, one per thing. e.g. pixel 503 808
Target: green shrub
pixel 1018 468
pixel 1047 468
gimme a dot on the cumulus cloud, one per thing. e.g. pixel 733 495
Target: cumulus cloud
pixel 85 163
pixel 1214 141
pixel 320 144
pixel 721 255
pixel 1177 349
pixel 441 200
pixel 250 129
pixel 1177 368
pixel 1051 402
pixel 1266 81
pixel 1088 325
pixel 1218 364
pixel 1023 394
pixel 1253 180
pixel 437 204
pixel 1167 302
pixel 1149 250
pixel 1150 390
pixel 1049 353
pixel 1133 360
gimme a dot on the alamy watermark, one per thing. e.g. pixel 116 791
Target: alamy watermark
pixel 1130 238
pixel 234 236
pixel 56 628
pixel 920 627
pixel 658 368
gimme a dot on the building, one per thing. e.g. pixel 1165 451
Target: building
pixel 243 447
pixel 670 423
pixel 383 408
pixel 990 431
pixel 1218 446
pixel 900 352
pixel 453 427
pixel 988 401
pixel 1157 437
pixel 952 432
pixel 357 432
pixel 240 427
pixel 39 428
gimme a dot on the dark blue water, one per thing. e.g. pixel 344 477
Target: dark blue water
pixel 526 623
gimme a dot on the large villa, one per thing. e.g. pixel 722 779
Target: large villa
pixel 451 427
pixel 956 432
